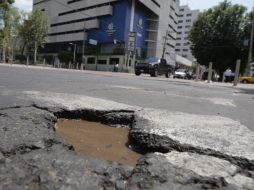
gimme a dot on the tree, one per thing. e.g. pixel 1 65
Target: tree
pixel 5 4
pixel 34 31
pixel 5 17
pixel 10 31
pixel 217 36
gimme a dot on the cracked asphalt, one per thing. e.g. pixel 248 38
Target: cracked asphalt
pixel 195 135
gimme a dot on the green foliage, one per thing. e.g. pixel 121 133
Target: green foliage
pixel 38 27
pixel 49 59
pixel 9 34
pixel 218 34
pixel 20 58
pixel 65 57
pixel 33 31
pixel 6 4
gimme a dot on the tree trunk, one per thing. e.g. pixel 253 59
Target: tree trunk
pixel 23 48
pixel 4 54
pixel 35 52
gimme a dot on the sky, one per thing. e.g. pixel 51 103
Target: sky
pixel 206 4
pixel 194 4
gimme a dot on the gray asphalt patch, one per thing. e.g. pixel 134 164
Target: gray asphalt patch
pixel 221 148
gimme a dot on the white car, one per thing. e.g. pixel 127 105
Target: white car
pixel 180 73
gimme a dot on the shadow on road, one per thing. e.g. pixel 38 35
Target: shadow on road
pixel 247 91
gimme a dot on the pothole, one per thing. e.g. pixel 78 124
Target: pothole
pixel 97 140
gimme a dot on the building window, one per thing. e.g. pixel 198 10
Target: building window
pixel 181 10
pixel 177 49
pixel 184 55
pixel 180 27
pixel 178 44
pixel 180 15
pixel 179 32
pixel 156 3
pixel 185 44
pixel 189 14
pixel 102 62
pixel 178 38
pixel 185 49
pixel 188 26
pixel 188 20
pixel 90 60
pixel 180 21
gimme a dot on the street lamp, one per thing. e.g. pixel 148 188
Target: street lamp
pixel 251 45
pixel 74 52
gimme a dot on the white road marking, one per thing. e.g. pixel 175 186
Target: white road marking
pixel 125 87
pixel 214 100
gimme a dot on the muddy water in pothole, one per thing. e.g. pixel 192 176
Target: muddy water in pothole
pixel 98 140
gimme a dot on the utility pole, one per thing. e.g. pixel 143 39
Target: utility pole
pixel 83 48
pixel 237 70
pixel 74 54
pixel 164 45
pixel 210 72
pixel 251 44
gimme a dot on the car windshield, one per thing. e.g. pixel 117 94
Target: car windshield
pixel 181 70
pixel 152 59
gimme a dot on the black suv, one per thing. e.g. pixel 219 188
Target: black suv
pixel 154 66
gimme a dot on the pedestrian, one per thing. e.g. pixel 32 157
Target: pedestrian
pixel 117 66
pixel 228 75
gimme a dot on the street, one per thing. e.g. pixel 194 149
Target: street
pixel 184 134
pixel 144 91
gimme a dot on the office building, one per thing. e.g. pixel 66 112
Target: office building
pixel 105 26
pixel 185 21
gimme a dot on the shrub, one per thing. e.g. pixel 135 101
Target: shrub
pixel 20 58
pixel 49 59
pixel 65 57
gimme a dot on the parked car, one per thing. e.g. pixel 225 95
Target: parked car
pixel 182 74
pixel 247 79
pixel 154 66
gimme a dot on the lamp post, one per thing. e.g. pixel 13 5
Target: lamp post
pixel 83 47
pixel 251 44
pixel 74 52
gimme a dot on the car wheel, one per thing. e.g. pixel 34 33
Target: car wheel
pixel 154 73
pixel 245 81
pixel 137 73
pixel 167 75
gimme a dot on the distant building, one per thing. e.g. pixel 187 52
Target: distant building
pixel 105 26
pixel 186 18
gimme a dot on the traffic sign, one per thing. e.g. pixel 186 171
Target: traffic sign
pixel 132 41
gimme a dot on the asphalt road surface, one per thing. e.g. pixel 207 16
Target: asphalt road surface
pixel 146 92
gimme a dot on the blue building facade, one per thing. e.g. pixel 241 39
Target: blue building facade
pixel 117 27
pixel 108 27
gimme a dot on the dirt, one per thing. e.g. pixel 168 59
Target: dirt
pixel 98 140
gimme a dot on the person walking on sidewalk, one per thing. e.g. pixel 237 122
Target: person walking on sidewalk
pixel 228 75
